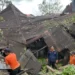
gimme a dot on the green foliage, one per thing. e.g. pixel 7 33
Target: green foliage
pixel 63 20
pixel 42 61
pixel 70 70
pixel 44 68
pixel 1 19
pixel 50 7
pixel 1 34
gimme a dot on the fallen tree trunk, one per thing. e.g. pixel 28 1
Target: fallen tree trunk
pixel 53 70
pixel 50 68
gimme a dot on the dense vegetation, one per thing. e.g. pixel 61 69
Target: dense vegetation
pixel 68 70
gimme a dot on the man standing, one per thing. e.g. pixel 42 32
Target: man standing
pixel 52 57
pixel 11 60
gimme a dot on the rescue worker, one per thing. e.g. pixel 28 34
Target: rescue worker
pixel 52 57
pixel 12 61
pixel 72 58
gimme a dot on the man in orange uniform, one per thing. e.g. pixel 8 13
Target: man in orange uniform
pixel 72 58
pixel 11 60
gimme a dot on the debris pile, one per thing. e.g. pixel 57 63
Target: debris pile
pixel 18 32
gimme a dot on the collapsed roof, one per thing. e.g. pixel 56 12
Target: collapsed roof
pixel 59 38
pixel 18 29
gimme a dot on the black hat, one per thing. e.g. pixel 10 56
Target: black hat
pixel 7 50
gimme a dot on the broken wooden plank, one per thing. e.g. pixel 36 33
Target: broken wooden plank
pixel 53 70
pixel 50 68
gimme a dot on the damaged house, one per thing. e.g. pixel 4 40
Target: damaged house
pixel 34 33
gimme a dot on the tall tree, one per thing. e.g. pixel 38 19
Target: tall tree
pixel 50 6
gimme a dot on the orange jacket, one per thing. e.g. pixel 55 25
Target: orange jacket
pixel 11 60
pixel 72 59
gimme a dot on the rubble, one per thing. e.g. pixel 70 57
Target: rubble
pixel 34 33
